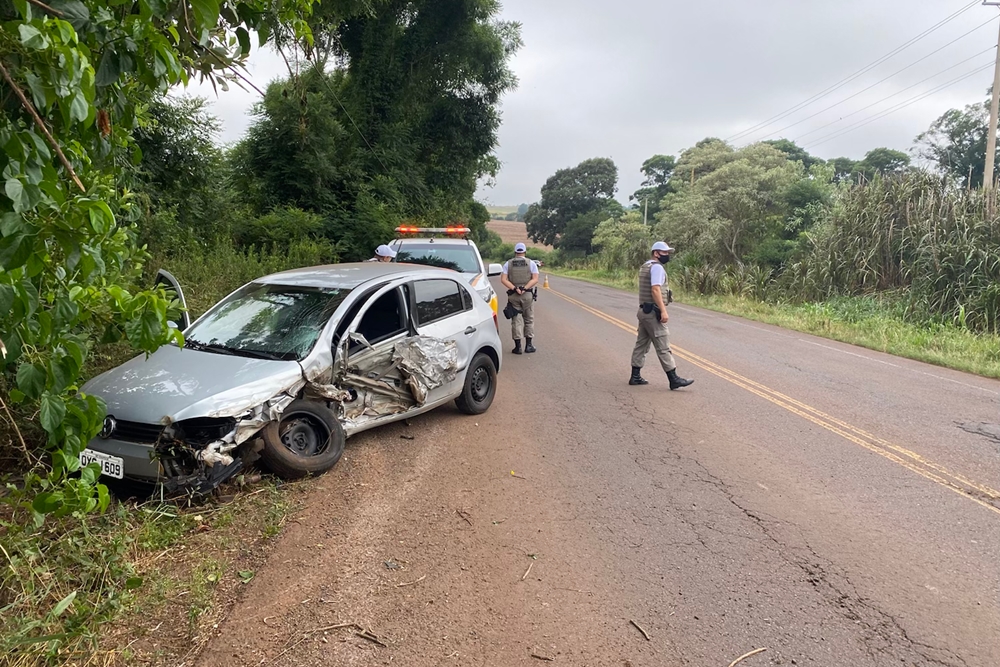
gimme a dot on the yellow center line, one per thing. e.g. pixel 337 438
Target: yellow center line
pixel 899 455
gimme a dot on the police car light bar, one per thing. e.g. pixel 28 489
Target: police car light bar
pixel 405 229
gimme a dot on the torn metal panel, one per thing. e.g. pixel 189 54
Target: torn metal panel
pixel 427 363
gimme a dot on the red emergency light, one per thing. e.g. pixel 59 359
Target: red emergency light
pixel 451 231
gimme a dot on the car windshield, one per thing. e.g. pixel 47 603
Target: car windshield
pixel 461 258
pixel 267 322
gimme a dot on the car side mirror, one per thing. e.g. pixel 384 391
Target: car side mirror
pixel 494 270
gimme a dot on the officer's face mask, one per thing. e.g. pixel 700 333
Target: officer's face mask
pixel 664 258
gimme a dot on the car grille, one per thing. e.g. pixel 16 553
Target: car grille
pixel 137 432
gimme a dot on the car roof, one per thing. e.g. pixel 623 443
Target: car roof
pixel 351 275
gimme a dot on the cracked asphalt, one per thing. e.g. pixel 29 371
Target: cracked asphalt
pixel 833 505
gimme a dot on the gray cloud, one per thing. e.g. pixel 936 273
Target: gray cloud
pixel 632 78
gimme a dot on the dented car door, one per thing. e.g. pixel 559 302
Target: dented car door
pixel 443 309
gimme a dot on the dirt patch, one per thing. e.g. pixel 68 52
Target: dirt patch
pixel 514 232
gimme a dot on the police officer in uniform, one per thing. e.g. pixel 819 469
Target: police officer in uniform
pixel 383 253
pixel 519 276
pixel 653 299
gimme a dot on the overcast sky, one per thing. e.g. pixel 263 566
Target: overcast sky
pixel 632 78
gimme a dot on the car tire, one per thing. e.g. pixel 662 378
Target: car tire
pixel 307 440
pixel 480 386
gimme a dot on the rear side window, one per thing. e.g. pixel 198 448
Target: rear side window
pixel 437 299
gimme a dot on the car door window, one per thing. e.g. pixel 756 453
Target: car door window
pixel 437 299
pixel 384 318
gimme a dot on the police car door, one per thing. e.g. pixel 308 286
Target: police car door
pixel 443 309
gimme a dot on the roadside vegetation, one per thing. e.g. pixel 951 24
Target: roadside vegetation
pixel 873 252
pixel 388 115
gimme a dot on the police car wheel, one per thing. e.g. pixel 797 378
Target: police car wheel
pixel 308 440
pixel 480 386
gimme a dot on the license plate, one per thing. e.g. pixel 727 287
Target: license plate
pixel 112 466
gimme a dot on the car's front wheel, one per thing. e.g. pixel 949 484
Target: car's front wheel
pixel 480 386
pixel 308 440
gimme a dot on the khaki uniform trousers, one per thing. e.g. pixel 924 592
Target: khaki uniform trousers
pixel 523 324
pixel 651 330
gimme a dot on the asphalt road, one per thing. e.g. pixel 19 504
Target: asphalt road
pixel 833 505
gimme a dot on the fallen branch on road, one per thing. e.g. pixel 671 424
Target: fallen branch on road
pixel 525 575
pixel 410 583
pixel 644 633
pixel 746 655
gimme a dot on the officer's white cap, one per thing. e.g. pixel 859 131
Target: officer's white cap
pixel 520 247
pixel 662 247
pixel 385 251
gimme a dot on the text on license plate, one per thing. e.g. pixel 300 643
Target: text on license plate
pixel 112 466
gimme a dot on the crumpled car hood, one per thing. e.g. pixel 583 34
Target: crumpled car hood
pixel 175 384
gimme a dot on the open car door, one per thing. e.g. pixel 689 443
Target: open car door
pixel 172 287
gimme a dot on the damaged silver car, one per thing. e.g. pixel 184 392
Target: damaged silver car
pixel 290 365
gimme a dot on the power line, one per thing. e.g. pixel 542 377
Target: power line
pixel 843 82
pixel 894 109
pixel 880 82
pixel 886 99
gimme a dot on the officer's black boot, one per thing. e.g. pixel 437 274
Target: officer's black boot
pixel 517 346
pixel 529 348
pixel 676 382
pixel 636 378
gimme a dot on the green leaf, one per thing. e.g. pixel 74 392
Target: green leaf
pixel 65 311
pixel 133 583
pixel 246 576
pixel 14 189
pixel 11 223
pixel 15 251
pixel 110 68
pixel 32 37
pixel 6 298
pixel 16 396
pixel 206 14
pixel 244 38
pixel 73 11
pixel 79 109
pixel 64 604
pixel 47 502
pixel 90 473
pixel 103 498
pixel 23 8
pixel 52 412
pixel 31 380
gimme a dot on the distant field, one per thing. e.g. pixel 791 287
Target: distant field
pixel 501 210
pixel 514 232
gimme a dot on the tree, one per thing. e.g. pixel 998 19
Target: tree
pixel 956 143
pixel 522 210
pixel 794 152
pixel 844 168
pixel 657 171
pixel 731 207
pixel 882 161
pixel 570 193
pixel 403 130
pixel 77 75
pixel 182 176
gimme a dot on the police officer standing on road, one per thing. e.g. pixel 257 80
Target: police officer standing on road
pixel 383 253
pixel 519 276
pixel 653 299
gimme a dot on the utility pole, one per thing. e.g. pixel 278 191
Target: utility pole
pixel 645 212
pixel 991 141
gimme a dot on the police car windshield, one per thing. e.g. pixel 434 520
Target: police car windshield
pixel 457 258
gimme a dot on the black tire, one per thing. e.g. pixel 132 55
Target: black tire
pixel 480 386
pixel 308 440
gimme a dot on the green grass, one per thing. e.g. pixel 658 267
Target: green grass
pixel 876 324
